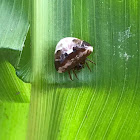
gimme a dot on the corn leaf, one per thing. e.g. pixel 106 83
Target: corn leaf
pixel 14 93
pixel 12 89
pixel 14 25
pixel 13 121
pixel 102 104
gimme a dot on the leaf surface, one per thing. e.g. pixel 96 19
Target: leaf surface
pixel 102 104
pixel 14 25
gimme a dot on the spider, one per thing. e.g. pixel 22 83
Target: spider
pixel 71 55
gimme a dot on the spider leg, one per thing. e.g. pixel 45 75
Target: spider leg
pixel 90 61
pixel 70 75
pixel 88 66
pixel 75 74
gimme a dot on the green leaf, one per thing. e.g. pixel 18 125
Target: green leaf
pixel 102 104
pixel 23 69
pixel 14 93
pixel 12 89
pixel 14 25
pixel 13 121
